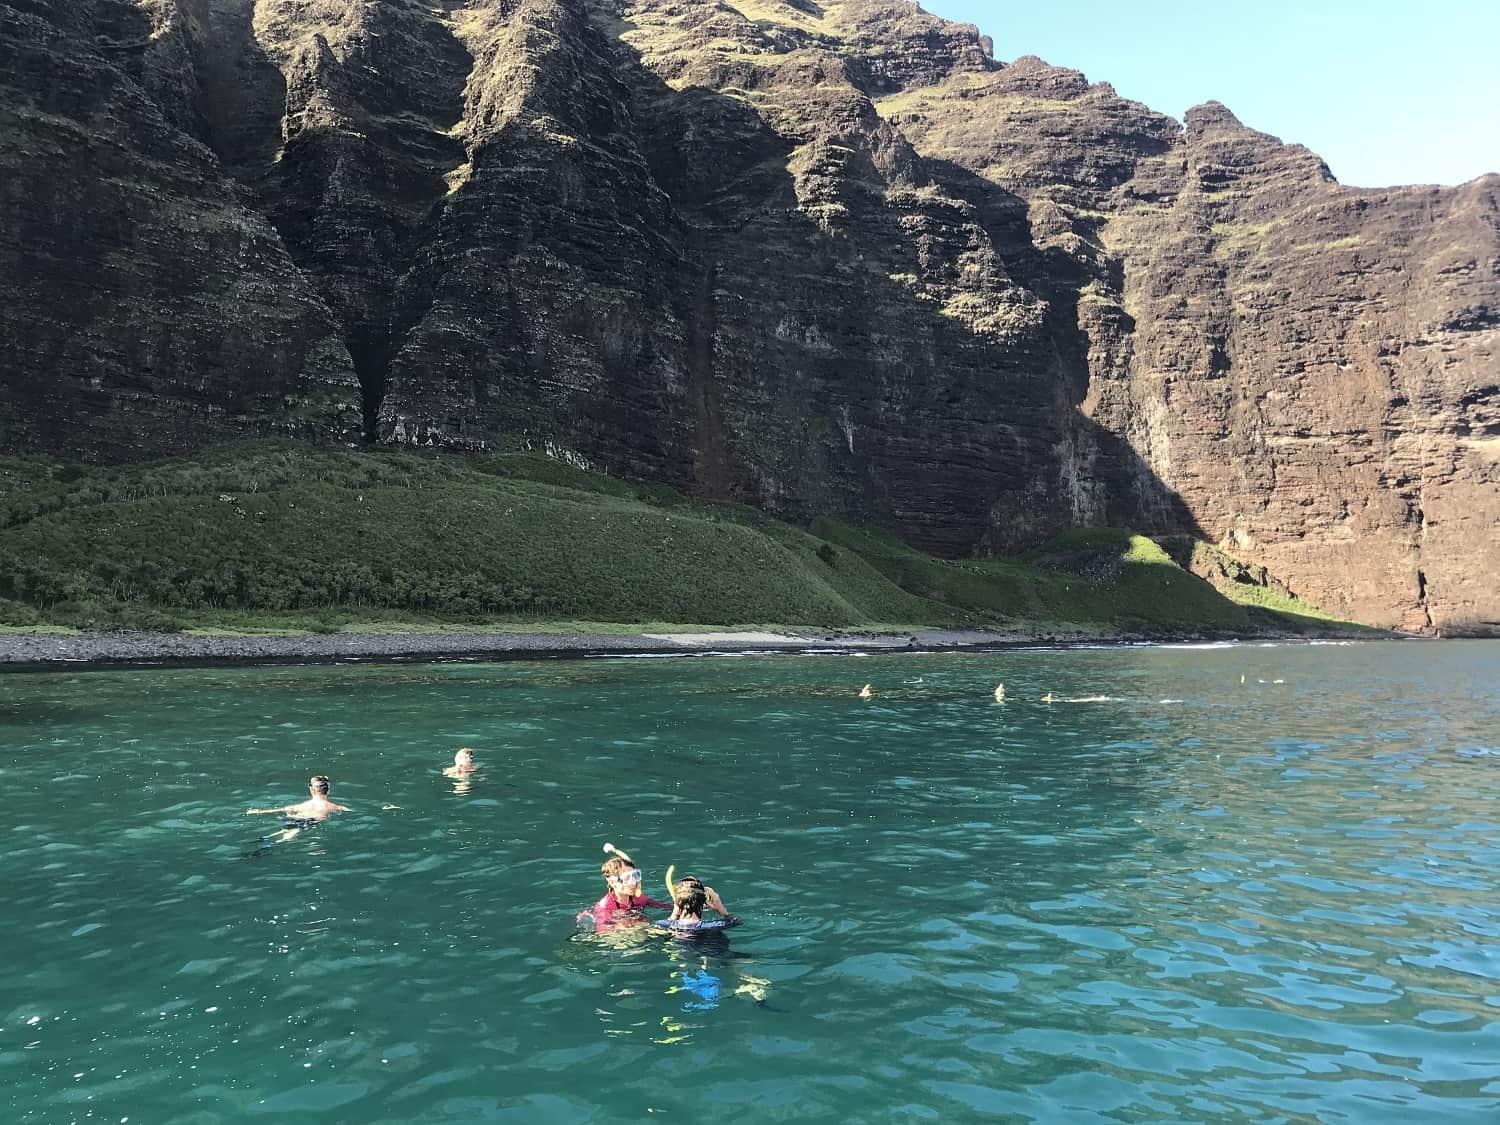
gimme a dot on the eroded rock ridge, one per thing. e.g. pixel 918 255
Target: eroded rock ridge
pixel 822 256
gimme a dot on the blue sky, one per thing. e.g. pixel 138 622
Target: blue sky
pixel 1386 91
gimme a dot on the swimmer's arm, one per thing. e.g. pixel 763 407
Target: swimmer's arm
pixel 656 902
pixel 282 810
pixel 715 903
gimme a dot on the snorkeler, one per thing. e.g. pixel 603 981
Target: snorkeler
pixel 623 878
pixel 705 942
pixel 463 763
pixel 689 896
pixel 309 812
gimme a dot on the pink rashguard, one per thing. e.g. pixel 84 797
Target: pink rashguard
pixel 606 909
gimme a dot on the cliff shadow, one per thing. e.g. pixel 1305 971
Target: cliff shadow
pixel 832 297
pixel 1135 495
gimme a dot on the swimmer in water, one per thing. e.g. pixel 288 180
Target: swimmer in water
pixel 703 988
pixel 304 814
pixel 999 693
pixel 624 897
pixel 316 807
pixel 1049 698
pixel 463 764
pixel 866 692
pixel 689 896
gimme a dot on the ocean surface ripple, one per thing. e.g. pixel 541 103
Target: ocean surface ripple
pixel 1237 883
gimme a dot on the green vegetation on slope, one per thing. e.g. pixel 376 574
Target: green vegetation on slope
pixel 1098 580
pixel 278 535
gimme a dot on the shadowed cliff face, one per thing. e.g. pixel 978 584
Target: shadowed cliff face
pixel 146 309
pixel 822 256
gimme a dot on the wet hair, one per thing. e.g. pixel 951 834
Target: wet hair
pixel 614 865
pixel 688 896
pixel 318 784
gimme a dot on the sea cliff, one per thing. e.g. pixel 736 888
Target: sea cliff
pixel 824 258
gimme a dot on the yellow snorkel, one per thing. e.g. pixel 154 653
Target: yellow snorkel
pixel 671 887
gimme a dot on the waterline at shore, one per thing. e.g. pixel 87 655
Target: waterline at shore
pixel 53 650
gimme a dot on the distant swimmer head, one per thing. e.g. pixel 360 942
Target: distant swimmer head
pixel 1049 698
pixel 463 758
pixel 318 785
pixel 999 693
pixel 866 692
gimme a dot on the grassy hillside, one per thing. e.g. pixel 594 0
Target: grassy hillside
pixel 1098 580
pixel 282 535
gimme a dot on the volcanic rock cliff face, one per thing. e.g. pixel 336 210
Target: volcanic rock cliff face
pixel 817 255
pixel 1311 369
pixel 144 307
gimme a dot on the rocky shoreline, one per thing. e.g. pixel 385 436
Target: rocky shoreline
pixel 54 651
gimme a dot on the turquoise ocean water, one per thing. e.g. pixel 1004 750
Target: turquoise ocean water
pixel 1171 896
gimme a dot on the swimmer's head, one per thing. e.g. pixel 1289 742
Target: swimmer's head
pixel 688 896
pixel 464 757
pixel 621 872
pixel 318 784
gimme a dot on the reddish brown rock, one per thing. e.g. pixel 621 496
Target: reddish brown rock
pixel 1328 404
pixel 1310 369
pixel 822 256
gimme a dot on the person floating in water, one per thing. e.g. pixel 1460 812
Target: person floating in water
pixel 304 814
pixel 866 692
pixel 702 942
pixel 624 897
pixel 689 896
pixel 463 764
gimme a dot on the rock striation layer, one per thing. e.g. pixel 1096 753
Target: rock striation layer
pixel 1312 370
pixel 820 256
pixel 145 306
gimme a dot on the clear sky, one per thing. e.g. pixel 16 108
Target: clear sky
pixel 1386 91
